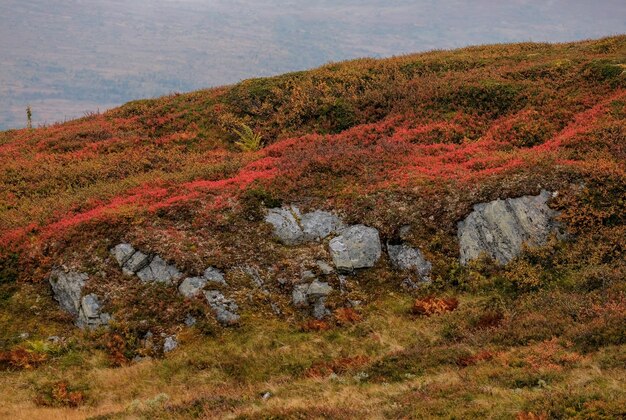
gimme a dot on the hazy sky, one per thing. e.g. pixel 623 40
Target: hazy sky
pixel 66 57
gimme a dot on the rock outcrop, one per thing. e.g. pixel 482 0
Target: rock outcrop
pixel 406 258
pixel 293 228
pixel 67 287
pixel 500 228
pixel 193 286
pixel 357 247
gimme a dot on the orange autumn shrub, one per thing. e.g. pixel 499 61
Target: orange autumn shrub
pixel 434 306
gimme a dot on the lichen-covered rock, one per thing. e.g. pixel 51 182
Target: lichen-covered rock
pixel 286 223
pixel 406 258
pixel 135 263
pixel 293 228
pixel 122 253
pixel 90 314
pixel 214 275
pixel 225 309
pixel 192 286
pixel 357 247
pixel 67 287
pixel 501 227
pixel 159 271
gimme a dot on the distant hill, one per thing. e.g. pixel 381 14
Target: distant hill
pixel 435 234
pixel 71 57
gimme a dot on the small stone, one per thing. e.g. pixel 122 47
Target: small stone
pixel 192 286
pixel 24 335
pixel 225 309
pixel 214 275
pixel 307 276
pixel 122 253
pixel 90 314
pixel 54 339
pixel 319 309
pixel 299 296
pixel 136 262
pixel 325 268
pixel 190 320
pixel 405 258
pixel 318 290
pixel 169 344
pixel 266 395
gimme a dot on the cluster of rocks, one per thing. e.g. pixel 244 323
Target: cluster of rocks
pixel 152 268
pixel 499 229
pixel 350 248
pixel 67 287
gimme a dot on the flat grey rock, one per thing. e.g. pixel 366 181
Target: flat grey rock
pixel 192 286
pixel 214 275
pixel 122 253
pixel 225 309
pixel 159 271
pixel 67 287
pixel 136 262
pixel 406 258
pixel 500 228
pixel 357 247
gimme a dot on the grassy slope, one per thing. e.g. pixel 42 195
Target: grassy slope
pixel 411 140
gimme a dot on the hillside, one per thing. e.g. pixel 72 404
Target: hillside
pixel 402 157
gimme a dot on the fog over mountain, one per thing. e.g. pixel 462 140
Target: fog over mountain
pixel 68 57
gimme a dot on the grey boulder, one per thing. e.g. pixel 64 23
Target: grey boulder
pixel 67 287
pixel 135 263
pixel 500 228
pixel 406 258
pixel 357 247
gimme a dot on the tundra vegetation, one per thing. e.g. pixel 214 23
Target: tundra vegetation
pixel 406 145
